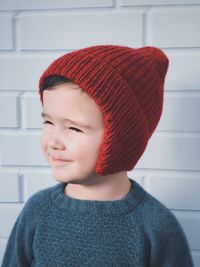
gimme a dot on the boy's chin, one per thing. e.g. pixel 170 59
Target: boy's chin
pixel 65 177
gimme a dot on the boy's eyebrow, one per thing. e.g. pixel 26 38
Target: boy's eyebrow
pixel 45 115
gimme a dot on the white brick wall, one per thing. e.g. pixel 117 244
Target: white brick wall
pixel 34 33
pixel 6 42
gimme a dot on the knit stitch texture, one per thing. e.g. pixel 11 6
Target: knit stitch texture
pixel 55 230
pixel 128 86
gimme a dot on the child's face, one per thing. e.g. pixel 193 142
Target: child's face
pixel 64 140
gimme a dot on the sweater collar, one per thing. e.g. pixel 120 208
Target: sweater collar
pixel 123 205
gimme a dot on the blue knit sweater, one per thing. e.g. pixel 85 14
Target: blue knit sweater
pixel 55 230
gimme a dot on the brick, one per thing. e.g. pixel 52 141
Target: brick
pixel 3 243
pixel 190 223
pixel 8 110
pixel 85 29
pixel 175 192
pixel 8 215
pixel 196 258
pixel 51 4
pixel 157 2
pixel 25 71
pixel 171 152
pixel 175 108
pixel 36 182
pixel 6 33
pixel 164 24
pixel 21 150
pixel 9 190
pixel 31 110
pixel 181 78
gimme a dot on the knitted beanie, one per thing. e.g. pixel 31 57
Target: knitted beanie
pixel 128 86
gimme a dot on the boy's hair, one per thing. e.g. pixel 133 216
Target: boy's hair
pixel 54 80
pixel 128 86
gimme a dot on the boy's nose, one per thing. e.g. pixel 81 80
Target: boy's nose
pixel 55 142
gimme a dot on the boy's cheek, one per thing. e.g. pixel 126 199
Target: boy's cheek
pixel 44 151
pixel 43 143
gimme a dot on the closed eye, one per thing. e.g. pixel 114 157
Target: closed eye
pixel 73 128
pixel 47 122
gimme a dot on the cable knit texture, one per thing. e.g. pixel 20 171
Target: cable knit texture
pixel 55 230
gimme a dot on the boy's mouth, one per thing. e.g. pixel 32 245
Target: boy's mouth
pixel 57 160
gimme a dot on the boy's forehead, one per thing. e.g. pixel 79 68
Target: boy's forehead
pixel 68 92
pixel 67 104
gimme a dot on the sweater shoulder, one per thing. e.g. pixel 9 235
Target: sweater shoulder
pixel 38 203
pixel 150 203
pixel 167 239
pixel 42 194
pixel 156 217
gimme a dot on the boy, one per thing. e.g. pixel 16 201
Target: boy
pixel 101 105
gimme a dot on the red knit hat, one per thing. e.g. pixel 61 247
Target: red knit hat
pixel 128 86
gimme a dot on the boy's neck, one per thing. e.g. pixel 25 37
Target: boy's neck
pixel 106 188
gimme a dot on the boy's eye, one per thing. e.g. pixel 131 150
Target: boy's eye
pixel 73 128
pixel 47 122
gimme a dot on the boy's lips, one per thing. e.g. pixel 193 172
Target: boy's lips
pixel 59 160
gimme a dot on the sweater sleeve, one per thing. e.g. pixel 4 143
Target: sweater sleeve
pixel 170 247
pixel 18 251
